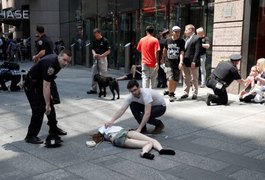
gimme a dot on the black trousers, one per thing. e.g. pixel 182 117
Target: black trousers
pixel 156 111
pixel 220 96
pixel 37 104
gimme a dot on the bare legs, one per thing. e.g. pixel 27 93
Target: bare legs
pixel 137 140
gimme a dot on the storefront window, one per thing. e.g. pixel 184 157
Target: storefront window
pixel 257 33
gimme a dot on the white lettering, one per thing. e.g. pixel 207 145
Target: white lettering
pixel 17 14
pixel 25 14
pixel 10 15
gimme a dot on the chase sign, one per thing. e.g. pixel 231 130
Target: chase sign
pixel 14 14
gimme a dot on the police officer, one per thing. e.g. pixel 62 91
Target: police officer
pixel 223 75
pixel 44 47
pixel 37 88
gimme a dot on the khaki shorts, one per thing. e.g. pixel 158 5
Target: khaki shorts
pixel 118 139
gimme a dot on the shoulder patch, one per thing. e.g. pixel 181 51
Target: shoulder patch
pixel 40 42
pixel 50 71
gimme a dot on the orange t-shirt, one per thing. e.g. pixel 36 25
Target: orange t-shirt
pixel 148 46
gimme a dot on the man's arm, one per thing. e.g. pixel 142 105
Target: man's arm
pixel 198 45
pixel 147 113
pixel 181 58
pixel 206 45
pixel 47 96
pixel 105 53
pixel 39 55
pixel 117 115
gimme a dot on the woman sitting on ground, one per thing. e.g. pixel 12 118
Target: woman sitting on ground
pixel 256 94
pixel 136 73
pixel 121 137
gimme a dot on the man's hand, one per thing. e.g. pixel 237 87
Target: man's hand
pixel 96 56
pixel 180 66
pixel 35 58
pixel 138 130
pixel 193 65
pixel 108 124
pixel 47 110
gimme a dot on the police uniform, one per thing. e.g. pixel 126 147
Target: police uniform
pixel 223 75
pixel 46 69
pixel 45 43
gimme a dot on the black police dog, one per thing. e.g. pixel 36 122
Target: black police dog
pixel 103 82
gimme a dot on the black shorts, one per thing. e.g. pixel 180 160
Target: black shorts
pixel 172 70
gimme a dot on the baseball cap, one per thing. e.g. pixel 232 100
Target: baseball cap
pixel 165 31
pixel 235 57
pixel 176 28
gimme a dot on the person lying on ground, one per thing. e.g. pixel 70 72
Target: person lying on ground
pixel 121 137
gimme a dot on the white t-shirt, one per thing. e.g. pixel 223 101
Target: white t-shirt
pixel 147 96
pixel 108 131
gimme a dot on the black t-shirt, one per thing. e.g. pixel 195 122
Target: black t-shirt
pixel 100 46
pixel 45 69
pixel 205 40
pixel 44 43
pixel 226 72
pixel 174 47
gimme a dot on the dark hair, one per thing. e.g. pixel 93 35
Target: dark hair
pixel 150 29
pixel 132 83
pixel 65 51
pixel 96 30
pixel 40 29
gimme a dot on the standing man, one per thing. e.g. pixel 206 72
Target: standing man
pixel 205 45
pixel 44 47
pixel 149 47
pixel 146 105
pixel 38 90
pixel 222 76
pixel 100 50
pixel 191 62
pixel 44 44
pixel 174 53
pixel 161 78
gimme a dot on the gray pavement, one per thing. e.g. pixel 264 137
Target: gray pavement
pixel 215 142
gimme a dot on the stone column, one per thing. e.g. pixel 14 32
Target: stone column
pixel 227 33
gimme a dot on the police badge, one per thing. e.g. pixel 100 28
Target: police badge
pixel 50 71
pixel 40 42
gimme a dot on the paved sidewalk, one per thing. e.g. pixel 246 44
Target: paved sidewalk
pixel 211 142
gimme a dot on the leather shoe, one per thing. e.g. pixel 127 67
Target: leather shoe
pixel 194 96
pixel 58 131
pixel 158 129
pixel 91 92
pixel 33 140
pixel 184 96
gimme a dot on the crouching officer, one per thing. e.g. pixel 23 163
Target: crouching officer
pixel 38 90
pixel 222 76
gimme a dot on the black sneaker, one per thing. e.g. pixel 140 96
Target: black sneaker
pixel 58 131
pixel 194 96
pixel 91 92
pixel 166 93
pixel 208 99
pixel 33 140
pixel 184 96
